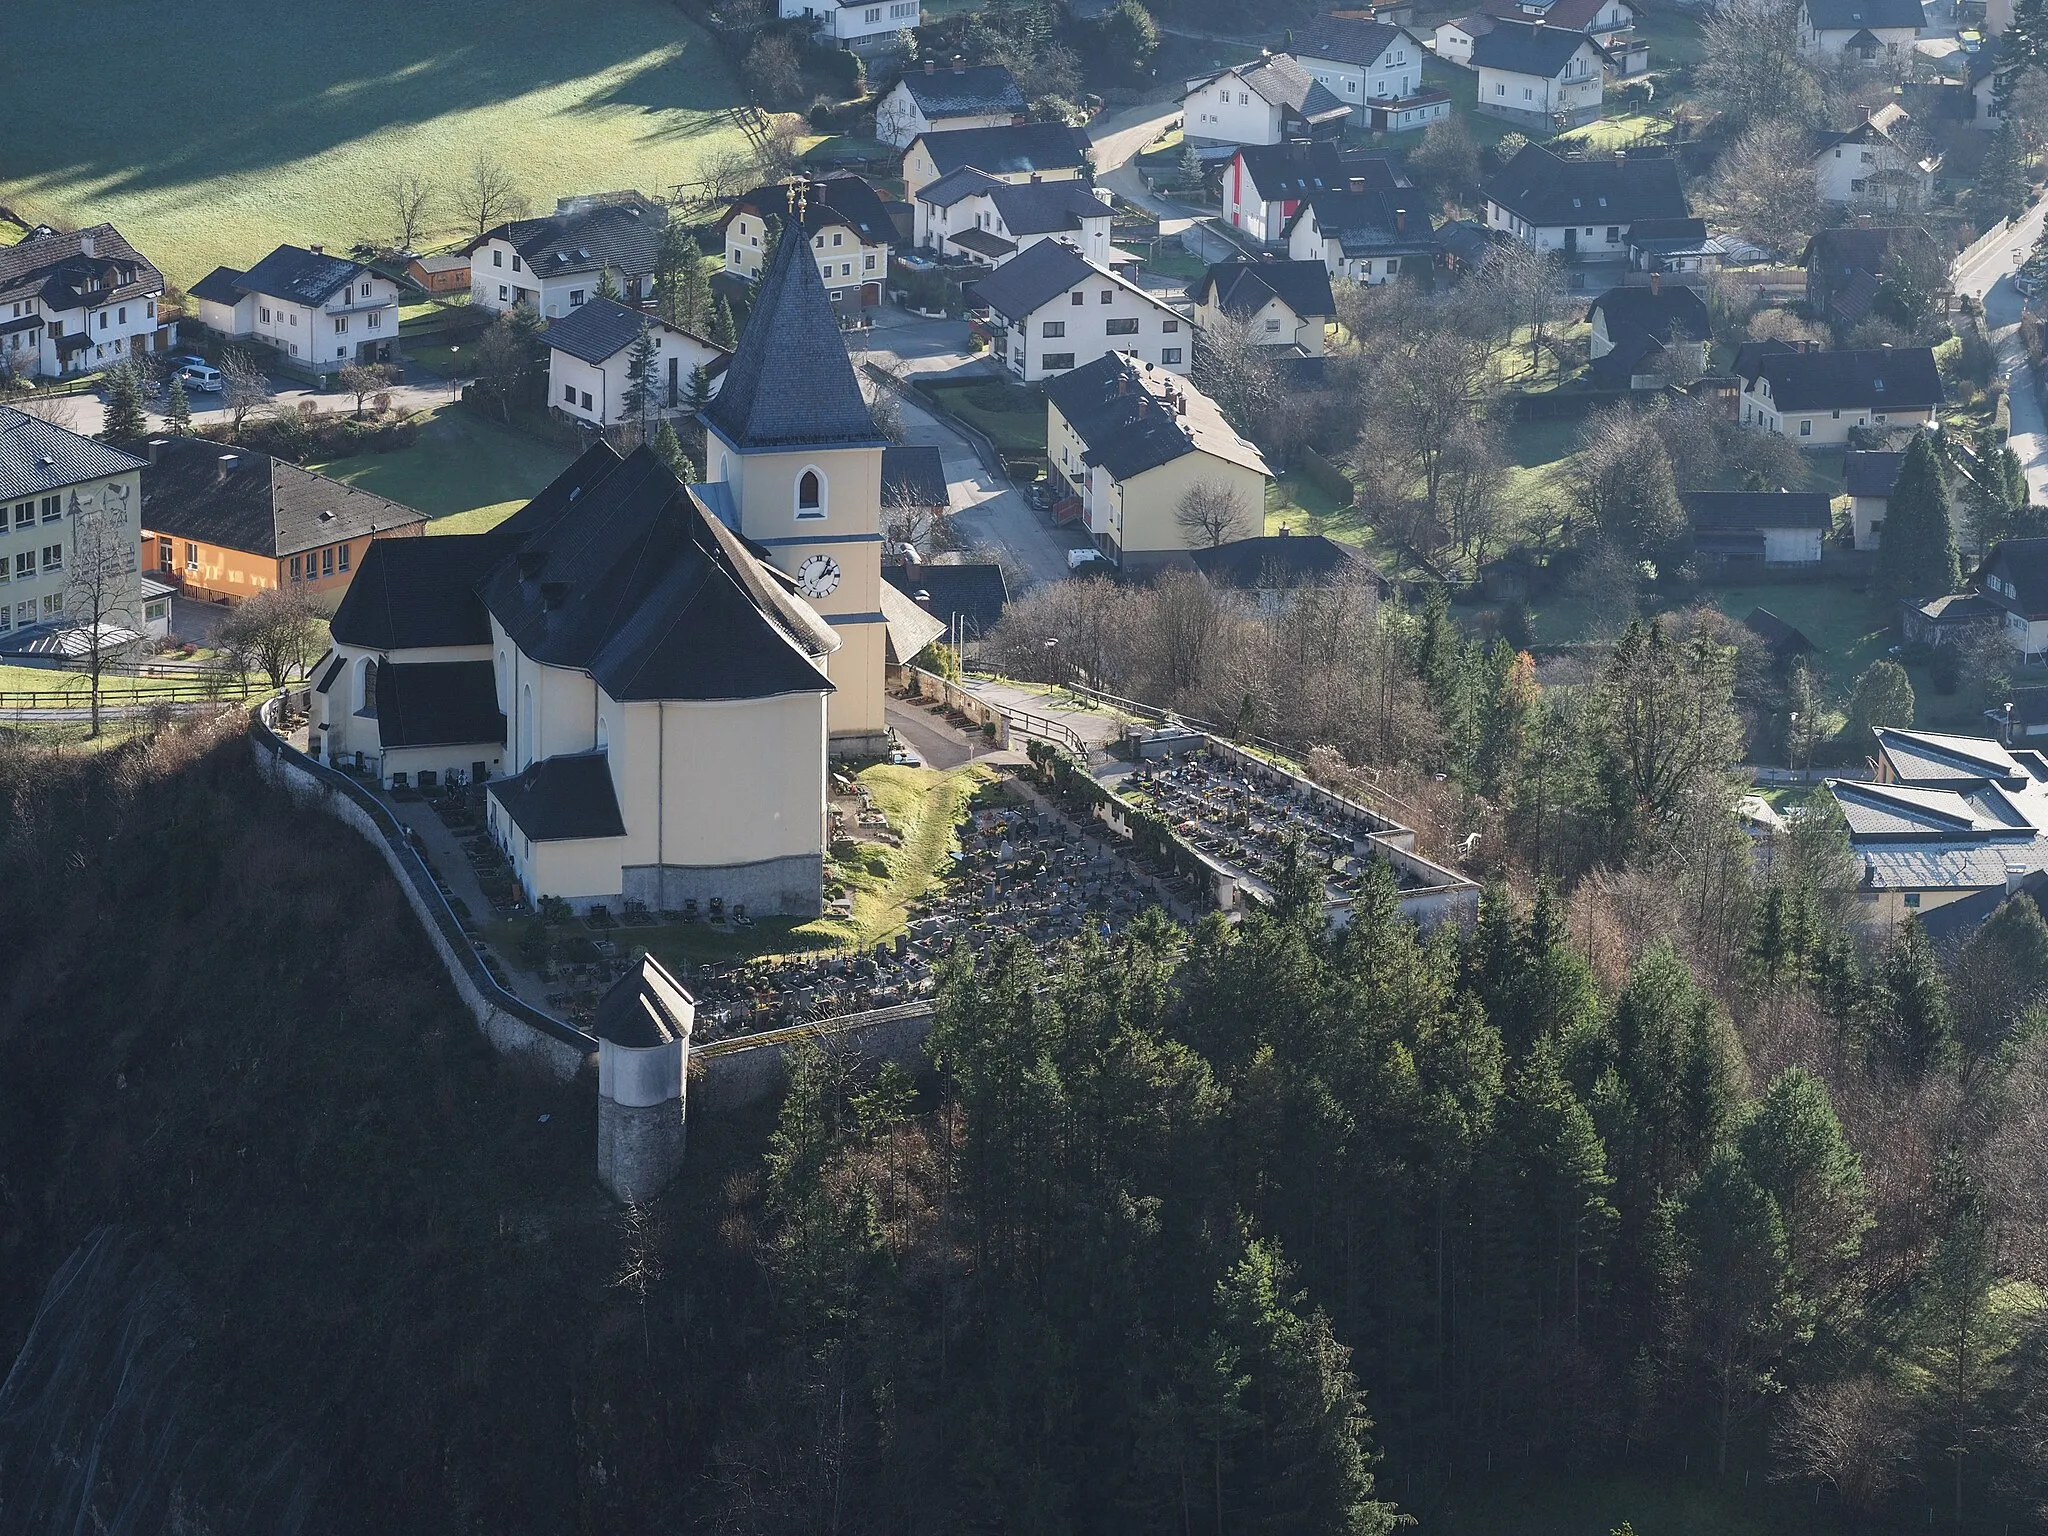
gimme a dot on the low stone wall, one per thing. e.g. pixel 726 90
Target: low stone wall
pixel 730 1073
pixel 930 686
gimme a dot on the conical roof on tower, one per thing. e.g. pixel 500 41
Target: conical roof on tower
pixel 790 382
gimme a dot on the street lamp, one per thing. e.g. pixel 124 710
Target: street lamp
pixel 454 368
pixel 1052 660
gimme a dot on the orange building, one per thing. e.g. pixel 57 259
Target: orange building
pixel 223 523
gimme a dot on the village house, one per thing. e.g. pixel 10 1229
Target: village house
pixel 975 217
pixel 1456 38
pixel 323 312
pixel 442 272
pixel 1265 183
pixel 1644 337
pixel 1680 249
pixel 1584 209
pixel 1019 153
pixel 854 24
pixel 2014 580
pixel 968 596
pixel 1128 441
pixel 1266 102
pixel 1983 86
pixel 1875 164
pixel 1281 303
pixel 555 264
pixel 1274 568
pixel 1817 398
pixel 74 302
pixel 1053 310
pixel 590 353
pixel 1862 31
pixel 1373 68
pixel 914 481
pixel 1610 23
pixel 849 229
pixel 54 485
pixel 1846 268
pixel 1540 76
pixel 1735 529
pixel 649 676
pixel 1364 233
pixel 223 523
pixel 1869 476
pixel 935 100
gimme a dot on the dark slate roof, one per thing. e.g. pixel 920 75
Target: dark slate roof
pixel 1243 287
pixel 1523 48
pixel 964 92
pixel 624 235
pixel 1346 41
pixel 1781 637
pixel 223 285
pixel 913 477
pixel 1296 167
pixel 974 595
pixel 1392 221
pixel 562 799
pixel 1668 232
pixel 1880 378
pixel 1009 149
pixel 1115 406
pixel 409 593
pixel 36 457
pixel 958 186
pixel 262 506
pixel 645 1008
pixel 1578 15
pixel 333 671
pixel 1278 560
pixel 790 381
pixel 1675 311
pixel 2024 563
pixel 1863 248
pixel 1740 511
pixel 635 583
pixel 1034 277
pixel 1047 207
pixel 1281 82
pixel 1867 473
pixel 1749 355
pixel 831 200
pixel 438 704
pixel 600 329
pixel 55 268
pixel 2029 704
pixel 1547 191
pixel 1850 15
pixel 301 276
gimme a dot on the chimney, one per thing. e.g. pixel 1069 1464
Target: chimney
pixel 156 446
pixel 1358 184
pixel 1656 282
pixel 931 66
pixel 1285 531
pixel 88 244
pixel 225 465
pixel 552 593
pixel 317 250
pixel 1400 221
pixel 959 65
pixel 530 562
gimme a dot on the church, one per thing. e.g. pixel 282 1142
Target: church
pixel 650 678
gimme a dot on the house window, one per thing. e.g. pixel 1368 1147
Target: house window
pixel 1078 297
pixel 586 399
pixel 1053 328
pixel 53 509
pixel 364 290
pixel 1056 361
pixel 295 567
pixel 375 320
pixel 263 314
pixel 103 319
pixel 1108 295
pixel 504 293
pixel 121 314
pixel 341 325
pixel 53 605
pixel 1614 234
pixel 1806 427
pixel 53 558
pixel 1170 355
pixel 515 263
pixel 575 298
pixel 497 258
pixel 1500 90
pixel 1127 327
pixel 326 562
pixel 25 514
pixel 867 263
pixel 25 565
pixel 1272 327
pixel 341 557
pixel 191 556
pixel 810 494
pixel 1913 898
pixel 569 394
pixel 1169 327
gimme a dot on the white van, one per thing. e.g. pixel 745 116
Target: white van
pixel 201 377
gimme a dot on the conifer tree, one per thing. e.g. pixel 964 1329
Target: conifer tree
pixel 681 288
pixel 669 449
pixel 607 285
pixel 639 401
pixel 178 409
pixel 1918 556
pixel 1794 1149
pixel 699 389
pixel 723 333
pixel 1908 1010
pixel 126 420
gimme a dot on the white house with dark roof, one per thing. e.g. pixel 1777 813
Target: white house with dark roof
pixel 591 348
pixel 1816 397
pixel 1018 153
pixel 1642 336
pixel 1539 75
pixel 1779 529
pixel 1285 304
pixel 1366 64
pixel 1584 209
pixel 970 216
pixel 77 301
pixel 1264 184
pixel 1874 165
pixel 1365 233
pixel 52 483
pixel 1610 23
pixel 1129 440
pixel 849 228
pixel 856 24
pixel 1052 310
pixel 1265 102
pixel 2013 579
pixel 1867 31
pixel 322 311
pixel 932 99
pixel 554 264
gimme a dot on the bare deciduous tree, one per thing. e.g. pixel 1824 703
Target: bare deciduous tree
pixel 274 632
pixel 102 583
pixel 363 380
pixel 1763 184
pixel 1752 66
pixel 1209 514
pixel 1233 367
pixel 244 386
pixel 487 195
pixel 407 197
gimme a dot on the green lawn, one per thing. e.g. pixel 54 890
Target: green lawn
pixel 465 472
pixel 1292 501
pixel 1673 36
pixel 1013 415
pixel 1848 629
pixel 1617 132
pixel 15 679
pixel 271 123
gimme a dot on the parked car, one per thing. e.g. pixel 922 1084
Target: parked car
pixel 183 360
pixel 1038 494
pixel 203 377
pixel 1085 559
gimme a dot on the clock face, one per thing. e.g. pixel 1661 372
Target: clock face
pixel 818 576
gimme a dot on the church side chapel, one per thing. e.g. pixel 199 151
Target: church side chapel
pixel 650 677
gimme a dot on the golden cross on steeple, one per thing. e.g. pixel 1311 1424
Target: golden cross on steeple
pixel 797 185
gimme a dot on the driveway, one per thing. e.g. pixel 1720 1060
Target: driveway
pixel 1984 271
pixel 87 414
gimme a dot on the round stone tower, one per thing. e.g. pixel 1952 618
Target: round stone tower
pixel 643 1053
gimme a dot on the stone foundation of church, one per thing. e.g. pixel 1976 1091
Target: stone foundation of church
pixel 787 887
pixel 850 748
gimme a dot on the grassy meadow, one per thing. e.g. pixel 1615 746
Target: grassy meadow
pixel 465 472
pixel 269 123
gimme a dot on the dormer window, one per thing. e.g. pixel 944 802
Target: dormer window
pixel 1877 386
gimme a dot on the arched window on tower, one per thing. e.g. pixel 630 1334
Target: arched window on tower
pixel 810 494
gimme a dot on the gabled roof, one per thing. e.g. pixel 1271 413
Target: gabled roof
pixel 1132 417
pixel 1863 247
pixel 1530 48
pixel 1343 40
pixel 1294 168
pixel 1783 638
pixel 1576 15
pixel 790 382
pixel 232 498
pixel 300 276
pixel 1850 15
pixel 1281 82
pixel 36 457
pixel 1879 378
pixel 1546 191
pixel 985 88
pixel 562 799
pixel 223 285
pixel 438 704
pixel 1665 314
pixel 55 268
pixel 1938 758
pixel 1373 222
pixel 600 329
pixel 1881 126
pixel 1244 287
pixel 957 186
pixel 972 594
pixel 1047 207
pixel 413 593
pixel 2024 563
pixel 913 476
pixel 1869 473
pixel 586 235
pixel 909 628
pixel 1278 560
pixel 845 199
pixel 1007 150
pixel 1038 274
pixel 1725 511
pixel 1898 811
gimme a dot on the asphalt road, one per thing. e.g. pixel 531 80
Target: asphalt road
pixel 1984 271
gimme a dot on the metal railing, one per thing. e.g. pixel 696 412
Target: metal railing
pixel 1058 732
pixel 120 698
pixel 410 859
